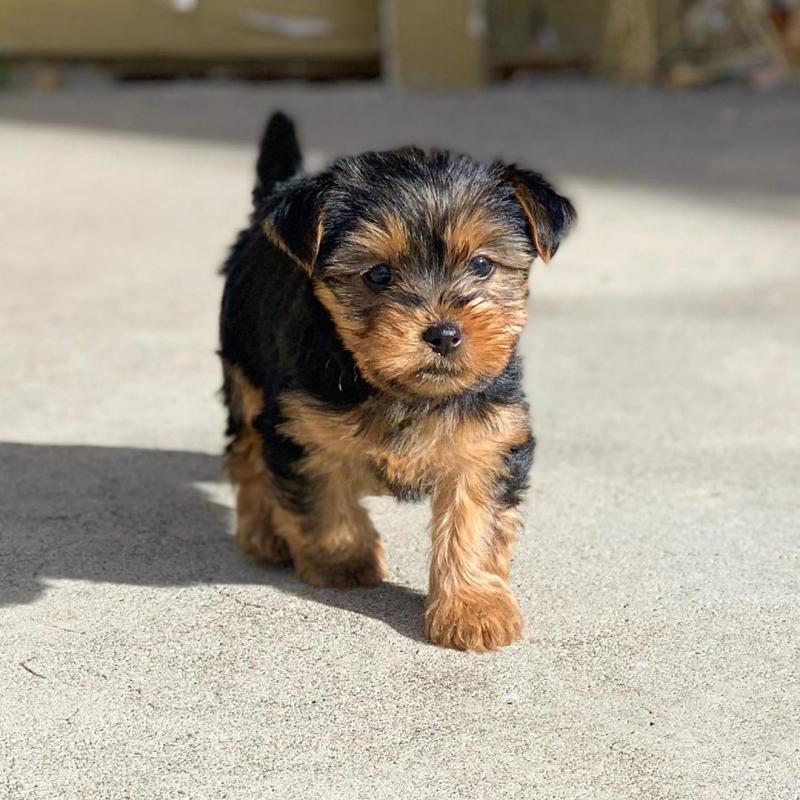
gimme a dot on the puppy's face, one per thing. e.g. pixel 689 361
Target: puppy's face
pixel 422 261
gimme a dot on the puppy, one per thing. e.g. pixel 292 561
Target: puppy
pixel 369 328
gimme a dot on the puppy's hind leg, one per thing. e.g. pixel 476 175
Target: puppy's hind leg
pixel 256 533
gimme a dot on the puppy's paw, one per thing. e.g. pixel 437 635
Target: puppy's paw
pixel 473 618
pixel 260 541
pixel 365 570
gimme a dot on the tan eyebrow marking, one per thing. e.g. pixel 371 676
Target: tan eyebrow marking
pixel 385 240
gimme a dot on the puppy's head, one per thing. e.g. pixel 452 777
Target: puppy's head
pixel 422 261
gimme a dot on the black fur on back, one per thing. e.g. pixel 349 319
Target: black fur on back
pixel 272 327
pixel 275 330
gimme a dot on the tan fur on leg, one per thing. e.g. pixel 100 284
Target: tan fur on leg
pixel 470 605
pixel 255 530
pixel 255 497
pixel 335 544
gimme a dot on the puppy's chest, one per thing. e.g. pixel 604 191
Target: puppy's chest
pixel 402 450
pixel 407 451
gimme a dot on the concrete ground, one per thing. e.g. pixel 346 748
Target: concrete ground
pixel 142 657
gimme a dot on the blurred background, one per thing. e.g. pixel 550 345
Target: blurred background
pixel 412 43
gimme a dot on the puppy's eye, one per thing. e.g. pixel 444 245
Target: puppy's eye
pixel 481 266
pixel 379 277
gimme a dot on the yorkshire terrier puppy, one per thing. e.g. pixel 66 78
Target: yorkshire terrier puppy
pixel 369 328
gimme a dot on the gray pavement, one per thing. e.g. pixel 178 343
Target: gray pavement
pixel 142 657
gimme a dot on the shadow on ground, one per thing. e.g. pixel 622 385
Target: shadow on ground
pixel 133 516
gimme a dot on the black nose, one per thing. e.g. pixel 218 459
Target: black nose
pixel 443 337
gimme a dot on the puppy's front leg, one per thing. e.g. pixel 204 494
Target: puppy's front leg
pixel 334 543
pixel 470 604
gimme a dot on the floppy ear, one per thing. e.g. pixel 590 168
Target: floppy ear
pixel 549 214
pixel 291 218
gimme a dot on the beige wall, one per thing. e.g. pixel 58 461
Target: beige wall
pixel 143 28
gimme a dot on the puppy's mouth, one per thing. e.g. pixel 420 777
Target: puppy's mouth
pixel 433 379
pixel 438 371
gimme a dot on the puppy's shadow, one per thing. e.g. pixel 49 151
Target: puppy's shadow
pixel 142 517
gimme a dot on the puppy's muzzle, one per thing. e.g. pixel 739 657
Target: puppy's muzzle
pixel 443 337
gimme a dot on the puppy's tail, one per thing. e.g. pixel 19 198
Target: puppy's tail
pixel 279 156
